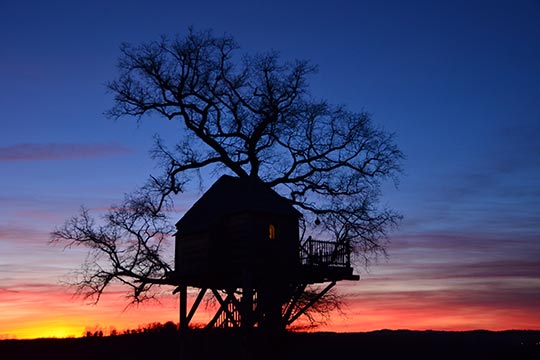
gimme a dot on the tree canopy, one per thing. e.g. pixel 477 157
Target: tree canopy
pixel 250 115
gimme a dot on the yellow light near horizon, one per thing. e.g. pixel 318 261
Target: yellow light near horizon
pixel 49 332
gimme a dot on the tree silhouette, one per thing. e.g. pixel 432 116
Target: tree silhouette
pixel 248 115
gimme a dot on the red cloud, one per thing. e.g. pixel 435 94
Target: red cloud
pixel 59 151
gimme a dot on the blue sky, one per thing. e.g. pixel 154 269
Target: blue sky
pixel 458 82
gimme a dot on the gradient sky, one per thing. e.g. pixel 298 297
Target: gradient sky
pixel 458 82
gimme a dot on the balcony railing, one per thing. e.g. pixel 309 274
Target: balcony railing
pixel 325 253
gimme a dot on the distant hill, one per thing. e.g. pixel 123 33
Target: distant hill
pixel 200 344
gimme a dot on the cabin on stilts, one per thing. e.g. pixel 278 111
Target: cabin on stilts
pixel 240 242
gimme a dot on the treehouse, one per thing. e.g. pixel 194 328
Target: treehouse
pixel 241 239
pixel 239 227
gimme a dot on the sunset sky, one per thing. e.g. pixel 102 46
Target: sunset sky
pixel 458 82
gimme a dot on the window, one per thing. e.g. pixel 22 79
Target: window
pixel 272 232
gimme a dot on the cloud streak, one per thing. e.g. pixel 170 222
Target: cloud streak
pixel 53 151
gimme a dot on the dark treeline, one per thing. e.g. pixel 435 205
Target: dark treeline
pixel 162 340
pixel 155 327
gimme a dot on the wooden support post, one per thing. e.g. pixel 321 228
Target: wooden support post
pixel 246 302
pixel 183 308
pixel 247 308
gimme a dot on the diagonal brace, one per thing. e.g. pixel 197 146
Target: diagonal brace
pixel 313 301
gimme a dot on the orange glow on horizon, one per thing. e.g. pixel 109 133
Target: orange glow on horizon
pixel 52 312
pixel 38 331
pixel 353 321
pixel 55 313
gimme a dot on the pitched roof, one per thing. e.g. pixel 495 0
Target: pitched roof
pixel 232 195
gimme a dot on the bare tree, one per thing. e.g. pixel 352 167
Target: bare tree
pixel 129 247
pixel 249 115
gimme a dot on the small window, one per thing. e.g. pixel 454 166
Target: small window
pixel 272 232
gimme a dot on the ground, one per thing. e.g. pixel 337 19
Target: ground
pixel 377 345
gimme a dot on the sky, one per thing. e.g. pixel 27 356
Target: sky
pixel 457 82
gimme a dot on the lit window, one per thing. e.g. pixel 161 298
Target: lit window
pixel 271 232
